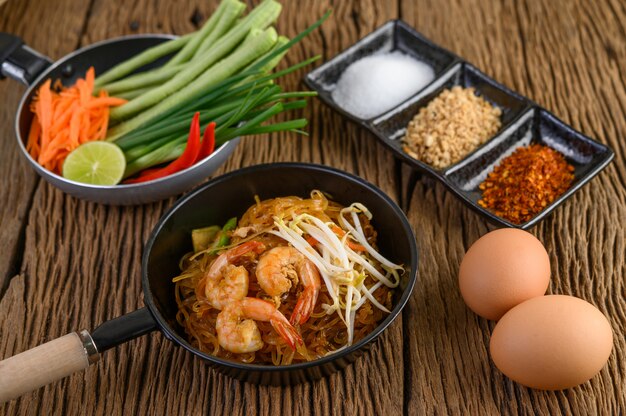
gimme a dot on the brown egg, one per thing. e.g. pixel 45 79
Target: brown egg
pixel 551 342
pixel 502 269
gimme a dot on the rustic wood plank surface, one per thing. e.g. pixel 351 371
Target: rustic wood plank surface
pixel 70 264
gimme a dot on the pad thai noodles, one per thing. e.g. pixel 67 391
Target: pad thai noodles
pixel 292 281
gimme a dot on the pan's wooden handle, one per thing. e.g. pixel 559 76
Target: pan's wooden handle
pixel 46 363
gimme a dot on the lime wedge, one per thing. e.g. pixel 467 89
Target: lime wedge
pixel 95 163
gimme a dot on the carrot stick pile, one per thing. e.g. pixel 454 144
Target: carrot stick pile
pixel 66 117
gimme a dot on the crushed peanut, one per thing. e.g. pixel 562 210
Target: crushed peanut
pixel 453 124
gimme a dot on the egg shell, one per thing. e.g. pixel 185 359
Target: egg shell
pixel 502 269
pixel 551 342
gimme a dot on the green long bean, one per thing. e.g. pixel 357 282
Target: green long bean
pixel 255 46
pixel 222 27
pixel 142 79
pixel 148 56
pixel 209 26
pixel 260 18
pixel 129 95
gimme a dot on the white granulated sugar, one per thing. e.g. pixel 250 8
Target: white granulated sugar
pixel 377 83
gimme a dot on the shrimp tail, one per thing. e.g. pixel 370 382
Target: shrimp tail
pixel 305 305
pixel 246 247
pixel 287 332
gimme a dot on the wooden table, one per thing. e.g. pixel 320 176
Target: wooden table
pixel 66 264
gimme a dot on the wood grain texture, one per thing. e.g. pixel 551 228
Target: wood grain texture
pixel 18 180
pixel 80 264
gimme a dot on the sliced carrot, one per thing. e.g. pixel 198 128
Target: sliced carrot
pixel 45 108
pixel 94 126
pixel 85 125
pixel 105 124
pixel 354 246
pixel 75 127
pixel 66 117
pixel 90 78
pixel 105 102
pixel 62 107
pixel 32 145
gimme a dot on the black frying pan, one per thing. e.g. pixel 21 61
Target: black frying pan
pixel 221 198
pixel 31 68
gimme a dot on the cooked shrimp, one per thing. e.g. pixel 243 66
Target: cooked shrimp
pixel 279 267
pixel 310 279
pixel 224 282
pixel 238 333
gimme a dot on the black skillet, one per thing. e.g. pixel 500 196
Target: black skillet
pixel 214 203
pixel 20 62
pixel 31 68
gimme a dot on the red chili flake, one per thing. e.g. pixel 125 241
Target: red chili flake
pixel 526 182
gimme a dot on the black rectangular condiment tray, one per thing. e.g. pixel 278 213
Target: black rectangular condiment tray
pixel 523 121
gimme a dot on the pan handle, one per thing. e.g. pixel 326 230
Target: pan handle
pixel 120 330
pixel 73 352
pixel 20 62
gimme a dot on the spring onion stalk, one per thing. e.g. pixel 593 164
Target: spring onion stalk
pixel 169 149
pixel 253 75
pixel 148 56
pixel 291 125
pixel 180 124
pixel 236 88
pixel 165 153
pixel 133 151
pixel 143 79
pixel 187 52
pixel 246 112
pixel 275 60
pixel 222 26
pixel 255 121
pixel 138 145
pixel 260 64
pixel 250 28
pixel 248 130
pixel 343 271
pixel 202 99
pixel 181 119
pixel 255 45
pixel 250 103
pixel 224 239
pixel 231 87
pixel 295 94
pixel 136 152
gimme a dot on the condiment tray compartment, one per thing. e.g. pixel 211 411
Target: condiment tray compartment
pixel 523 122
pixel 395 35
pixel 391 127
pixel 587 156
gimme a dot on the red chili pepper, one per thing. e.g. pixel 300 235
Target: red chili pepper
pixel 148 171
pixel 208 141
pixel 188 158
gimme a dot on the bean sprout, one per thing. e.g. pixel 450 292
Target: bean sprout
pixel 343 270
